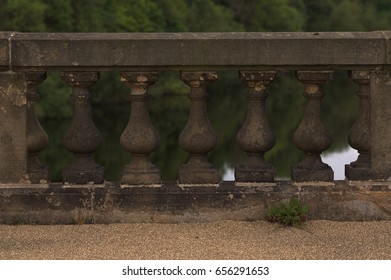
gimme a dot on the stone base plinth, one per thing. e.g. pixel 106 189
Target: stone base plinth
pixel 198 175
pixel 300 174
pixel 80 176
pixel 38 176
pixel 356 173
pixel 83 170
pixel 245 173
pixel 141 176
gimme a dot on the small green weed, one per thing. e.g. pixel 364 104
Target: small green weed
pixel 292 213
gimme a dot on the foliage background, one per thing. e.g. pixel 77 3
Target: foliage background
pixel 169 106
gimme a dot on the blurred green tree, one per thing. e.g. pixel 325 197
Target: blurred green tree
pixel 264 15
pixel 22 15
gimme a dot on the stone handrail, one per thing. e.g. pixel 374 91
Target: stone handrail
pixel 191 51
pixel 25 58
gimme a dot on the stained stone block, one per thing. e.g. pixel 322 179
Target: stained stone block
pixel 4 51
pixel 83 171
pixel 358 137
pixel 302 174
pixel 189 50
pixel 13 143
pixel 198 171
pixel 380 125
pixel 37 138
pixel 357 173
pixel 245 173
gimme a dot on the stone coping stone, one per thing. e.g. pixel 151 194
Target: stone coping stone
pixel 204 51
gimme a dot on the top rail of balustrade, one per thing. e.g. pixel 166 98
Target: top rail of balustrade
pixel 192 51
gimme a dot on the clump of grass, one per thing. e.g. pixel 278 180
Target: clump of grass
pixel 292 213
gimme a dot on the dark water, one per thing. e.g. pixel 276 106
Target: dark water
pixel 227 105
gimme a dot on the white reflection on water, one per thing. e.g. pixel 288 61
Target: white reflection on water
pixel 336 160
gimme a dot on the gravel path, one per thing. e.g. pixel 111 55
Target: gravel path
pixel 217 240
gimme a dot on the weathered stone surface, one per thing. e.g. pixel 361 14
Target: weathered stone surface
pixel 387 37
pixel 256 136
pixel 13 144
pixel 111 203
pixel 82 137
pixel 185 50
pixel 347 202
pixel 37 138
pixel 358 137
pixel 140 138
pixel 380 125
pixel 312 136
pixel 198 137
pixel 45 205
pixel 4 51
pixel 194 52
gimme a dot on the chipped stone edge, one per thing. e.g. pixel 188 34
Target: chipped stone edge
pixel 12 34
pixel 128 186
pixel 183 186
pixel 313 184
pixel 255 184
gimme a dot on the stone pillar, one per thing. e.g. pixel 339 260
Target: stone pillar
pixel 198 137
pixel 312 136
pixel 82 137
pixel 358 137
pixel 13 143
pixel 37 139
pixel 256 137
pixel 140 137
pixel 380 125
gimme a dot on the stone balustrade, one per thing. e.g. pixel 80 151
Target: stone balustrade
pixel 25 58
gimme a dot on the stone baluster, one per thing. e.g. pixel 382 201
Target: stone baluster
pixel 37 139
pixel 82 137
pixel 198 137
pixel 256 137
pixel 358 137
pixel 140 137
pixel 312 136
